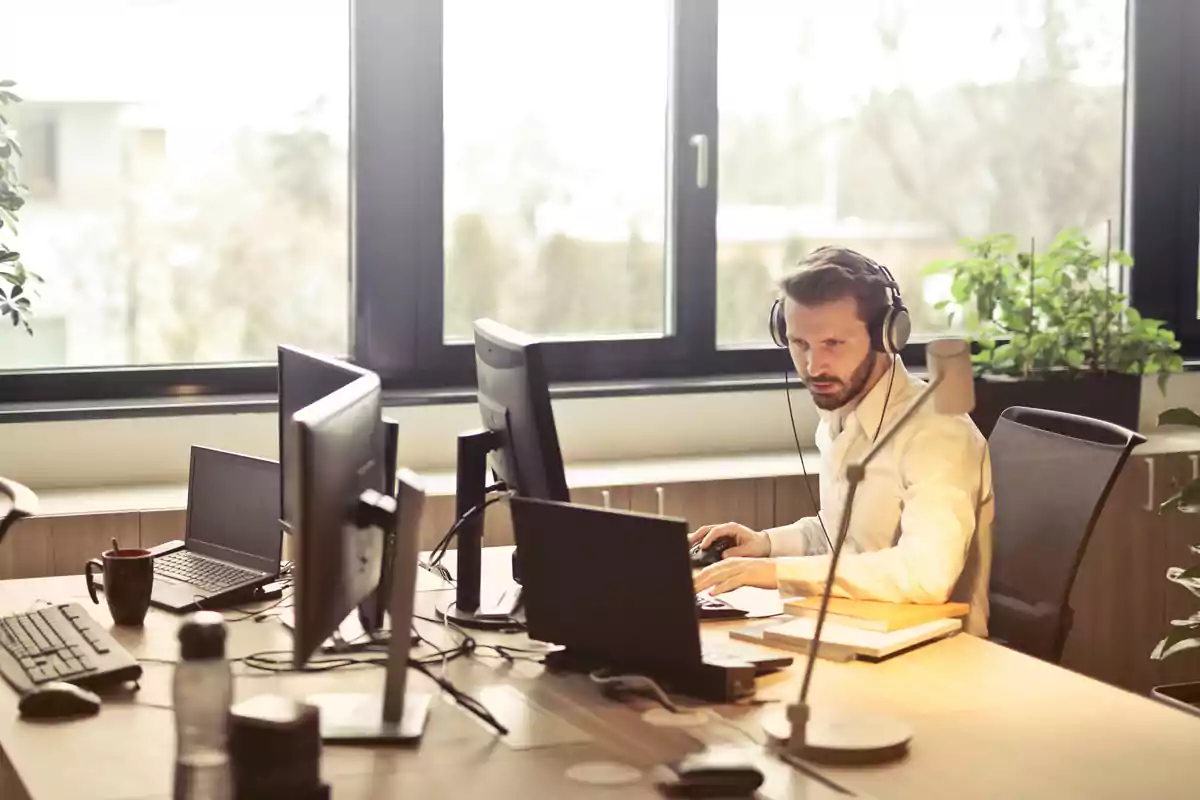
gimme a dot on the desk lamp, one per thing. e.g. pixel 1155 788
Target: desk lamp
pixel 841 736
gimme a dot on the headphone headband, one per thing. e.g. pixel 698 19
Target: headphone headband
pixel 889 328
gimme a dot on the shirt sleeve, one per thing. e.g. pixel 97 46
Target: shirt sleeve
pixel 804 537
pixel 940 470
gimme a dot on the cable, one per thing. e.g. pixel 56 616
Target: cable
pixel 463 699
pixel 435 559
pixel 787 390
pixel 887 396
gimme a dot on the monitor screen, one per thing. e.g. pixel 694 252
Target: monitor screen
pixel 232 509
pixel 333 457
pixel 514 401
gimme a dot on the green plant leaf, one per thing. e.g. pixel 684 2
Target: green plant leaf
pixel 7 83
pixel 1189 574
pixel 1179 416
pixel 1180 638
pixel 9 255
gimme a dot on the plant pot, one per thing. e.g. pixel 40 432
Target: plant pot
pixel 1112 398
pixel 1184 696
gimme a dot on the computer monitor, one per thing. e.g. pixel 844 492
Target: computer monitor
pixel 341 521
pixel 518 441
pixel 304 378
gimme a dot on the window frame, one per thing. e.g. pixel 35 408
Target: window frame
pixel 397 232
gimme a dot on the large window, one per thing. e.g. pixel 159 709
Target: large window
pixel 900 128
pixel 555 176
pixel 187 170
pixel 626 178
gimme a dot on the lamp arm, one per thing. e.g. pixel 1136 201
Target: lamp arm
pixel 854 474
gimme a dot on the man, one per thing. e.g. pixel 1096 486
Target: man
pixel 920 531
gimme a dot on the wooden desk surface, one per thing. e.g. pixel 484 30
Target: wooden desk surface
pixel 989 723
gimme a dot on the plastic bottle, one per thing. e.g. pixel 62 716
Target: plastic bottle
pixel 202 694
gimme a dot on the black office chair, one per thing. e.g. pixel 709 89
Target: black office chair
pixel 1051 473
pixel 16 501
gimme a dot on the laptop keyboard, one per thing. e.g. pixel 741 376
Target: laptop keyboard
pixel 204 573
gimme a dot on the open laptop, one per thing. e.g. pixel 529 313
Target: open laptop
pixel 614 588
pixel 233 542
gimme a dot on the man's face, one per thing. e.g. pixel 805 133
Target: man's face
pixel 831 348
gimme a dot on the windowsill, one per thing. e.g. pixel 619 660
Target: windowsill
pixel 266 403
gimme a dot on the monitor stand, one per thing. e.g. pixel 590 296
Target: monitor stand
pixel 468 608
pixel 397 716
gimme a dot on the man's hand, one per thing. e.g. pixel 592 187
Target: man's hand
pixel 748 543
pixel 728 574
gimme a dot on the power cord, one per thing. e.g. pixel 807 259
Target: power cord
pixel 435 559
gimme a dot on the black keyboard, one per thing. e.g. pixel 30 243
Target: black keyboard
pixel 204 573
pixel 708 607
pixel 62 643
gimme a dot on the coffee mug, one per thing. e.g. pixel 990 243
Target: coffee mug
pixel 128 580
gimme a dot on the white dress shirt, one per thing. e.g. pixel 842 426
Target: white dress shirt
pixel 920 529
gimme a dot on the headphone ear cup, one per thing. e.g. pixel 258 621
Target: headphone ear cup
pixel 900 329
pixel 778 323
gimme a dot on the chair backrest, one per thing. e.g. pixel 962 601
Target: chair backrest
pixel 16 501
pixel 1051 473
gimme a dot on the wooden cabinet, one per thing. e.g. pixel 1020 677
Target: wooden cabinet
pixel 748 501
pixel 1122 600
pixel 26 552
pixel 158 527
pixel 796 496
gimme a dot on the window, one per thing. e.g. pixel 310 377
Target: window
pixel 900 128
pixel 188 191
pixel 555 165
pixel 625 178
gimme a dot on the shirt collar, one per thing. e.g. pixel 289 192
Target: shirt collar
pixel 869 410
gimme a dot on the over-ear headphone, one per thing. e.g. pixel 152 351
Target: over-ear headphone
pixel 889 329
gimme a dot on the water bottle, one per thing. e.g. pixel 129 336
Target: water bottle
pixel 202 694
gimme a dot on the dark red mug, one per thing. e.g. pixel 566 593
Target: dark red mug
pixel 128 581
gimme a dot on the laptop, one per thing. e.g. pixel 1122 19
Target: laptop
pixel 614 588
pixel 233 541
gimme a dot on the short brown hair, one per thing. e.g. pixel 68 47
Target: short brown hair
pixel 828 274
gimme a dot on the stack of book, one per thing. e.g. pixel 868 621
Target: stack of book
pixel 867 629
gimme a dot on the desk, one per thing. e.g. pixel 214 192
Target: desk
pixel 989 722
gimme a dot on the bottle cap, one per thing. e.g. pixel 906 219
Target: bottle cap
pixel 202 636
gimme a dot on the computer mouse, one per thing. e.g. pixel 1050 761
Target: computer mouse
pixel 58 700
pixel 712 554
pixel 710 774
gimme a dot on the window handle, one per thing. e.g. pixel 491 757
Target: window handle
pixel 700 142
pixel 606 498
pixel 662 500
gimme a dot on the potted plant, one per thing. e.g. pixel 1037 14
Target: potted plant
pixel 1184 633
pixel 16 282
pixel 1051 332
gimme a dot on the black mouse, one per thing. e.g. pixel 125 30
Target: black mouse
pixel 712 554
pixel 710 774
pixel 58 700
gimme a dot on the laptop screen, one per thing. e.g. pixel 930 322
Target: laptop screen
pixel 233 509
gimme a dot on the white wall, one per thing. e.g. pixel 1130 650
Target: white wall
pixel 59 455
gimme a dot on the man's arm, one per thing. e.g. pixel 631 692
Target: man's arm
pixel 941 470
pixel 804 537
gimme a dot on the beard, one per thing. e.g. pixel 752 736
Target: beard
pixel 849 390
